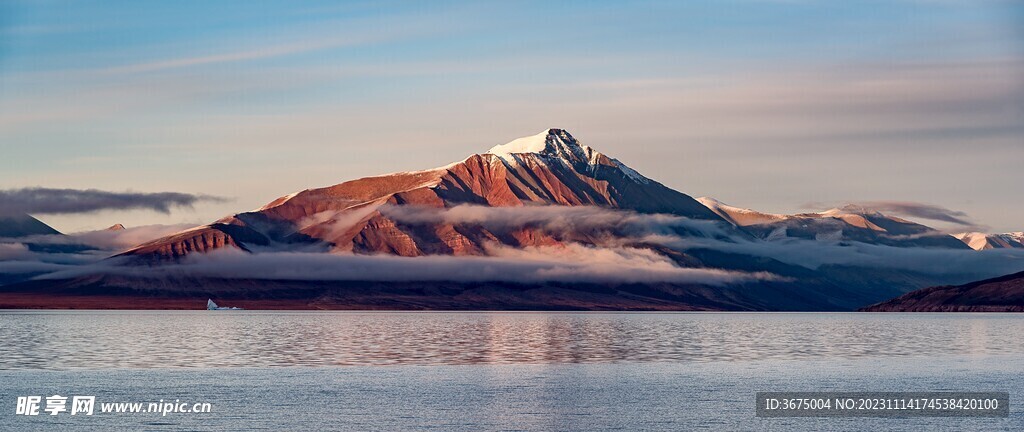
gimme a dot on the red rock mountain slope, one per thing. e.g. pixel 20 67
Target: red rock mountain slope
pixel 551 168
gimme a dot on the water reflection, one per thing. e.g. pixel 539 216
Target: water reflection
pixel 162 339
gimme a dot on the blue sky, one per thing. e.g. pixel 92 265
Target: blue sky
pixel 764 104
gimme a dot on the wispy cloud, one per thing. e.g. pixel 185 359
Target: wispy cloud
pixel 242 55
pixel 631 255
pixel 580 264
pixel 910 209
pixel 833 103
pixel 41 254
pixel 925 211
pixel 129 237
pixel 554 219
pixel 946 265
pixel 68 201
pixel 105 240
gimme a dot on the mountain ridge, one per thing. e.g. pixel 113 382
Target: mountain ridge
pixel 999 294
pixel 848 223
pixel 551 168
pixel 548 221
pixel 23 225
pixel 982 241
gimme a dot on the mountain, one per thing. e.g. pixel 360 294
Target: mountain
pixel 115 227
pixel 1002 294
pixel 410 214
pixel 550 168
pixel 14 228
pixel 538 206
pixel 848 223
pixel 740 217
pixel 982 241
pixel 23 225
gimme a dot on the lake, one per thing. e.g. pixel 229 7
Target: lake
pixel 495 371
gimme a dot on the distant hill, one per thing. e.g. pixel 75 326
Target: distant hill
pixel 22 225
pixel 1001 294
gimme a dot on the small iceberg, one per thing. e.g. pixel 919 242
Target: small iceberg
pixel 210 305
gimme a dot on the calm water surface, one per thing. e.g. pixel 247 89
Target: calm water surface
pixel 174 339
pixel 496 371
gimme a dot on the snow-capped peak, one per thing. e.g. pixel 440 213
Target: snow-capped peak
pixel 739 216
pixel 551 142
pixel 530 144
pixel 980 240
pixel 560 144
pixel 851 209
pixel 713 204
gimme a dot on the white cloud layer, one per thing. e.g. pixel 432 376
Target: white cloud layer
pixel 621 249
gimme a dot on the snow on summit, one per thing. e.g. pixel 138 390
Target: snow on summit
pixel 530 144
pixel 559 143
pixel 550 142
